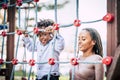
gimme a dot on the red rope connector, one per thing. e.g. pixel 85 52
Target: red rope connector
pixel 1 61
pixel 36 0
pixel 77 23
pixel 19 2
pixel 4 33
pixel 14 61
pixel 23 78
pixel 36 30
pixel 51 61
pixel 32 62
pixel 107 60
pixel 19 32
pixel 4 6
pixel 56 26
pixel 108 17
pixel 74 61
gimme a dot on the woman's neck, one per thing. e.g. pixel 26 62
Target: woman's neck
pixel 88 53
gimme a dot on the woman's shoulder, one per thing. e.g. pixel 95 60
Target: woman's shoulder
pixel 93 57
pixel 96 57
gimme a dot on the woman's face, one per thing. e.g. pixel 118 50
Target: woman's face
pixel 85 41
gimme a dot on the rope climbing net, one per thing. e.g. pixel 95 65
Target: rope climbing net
pixel 74 61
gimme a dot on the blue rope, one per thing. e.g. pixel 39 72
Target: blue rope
pixel 76 33
pixel 3 39
pixel 25 24
pixel 54 38
pixel 86 22
pixel 16 52
pixel 63 62
pixel 91 21
pixel 55 5
pixel 77 9
pixel 34 41
pixel 11 77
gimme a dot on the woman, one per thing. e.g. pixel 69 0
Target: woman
pixel 90 44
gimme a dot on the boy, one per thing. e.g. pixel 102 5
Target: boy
pixel 44 49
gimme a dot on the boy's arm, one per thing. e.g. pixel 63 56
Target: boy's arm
pixel 59 43
pixel 29 44
pixel 59 40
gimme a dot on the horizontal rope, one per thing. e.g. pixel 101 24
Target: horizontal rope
pixel 85 62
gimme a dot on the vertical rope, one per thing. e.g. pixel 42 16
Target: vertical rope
pixel 76 34
pixel 34 40
pixel 28 15
pixel 24 55
pixel 3 39
pixel 16 52
pixel 54 38
pixel 55 8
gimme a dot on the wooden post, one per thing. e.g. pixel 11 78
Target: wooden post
pixel 10 38
pixel 113 40
pixel 111 29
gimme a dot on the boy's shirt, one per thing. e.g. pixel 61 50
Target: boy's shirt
pixel 44 53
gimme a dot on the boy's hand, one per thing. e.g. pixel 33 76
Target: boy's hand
pixel 49 29
pixel 24 33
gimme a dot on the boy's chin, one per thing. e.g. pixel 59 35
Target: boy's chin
pixel 44 44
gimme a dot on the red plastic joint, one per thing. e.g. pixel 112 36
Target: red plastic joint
pixel 1 61
pixel 32 62
pixel 77 23
pixel 4 33
pixel 36 30
pixel 56 26
pixel 19 2
pixel 14 61
pixel 51 61
pixel 23 78
pixel 36 0
pixel 108 17
pixel 19 32
pixel 74 61
pixel 107 60
pixel 4 6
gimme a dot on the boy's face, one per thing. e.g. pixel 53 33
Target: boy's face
pixel 44 37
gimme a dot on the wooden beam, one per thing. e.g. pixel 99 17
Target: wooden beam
pixel 10 38
pixel 111 29
pixel 118 21
pixel 113 72
pixel 113 40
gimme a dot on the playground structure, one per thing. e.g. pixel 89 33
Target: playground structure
pixel 113 40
